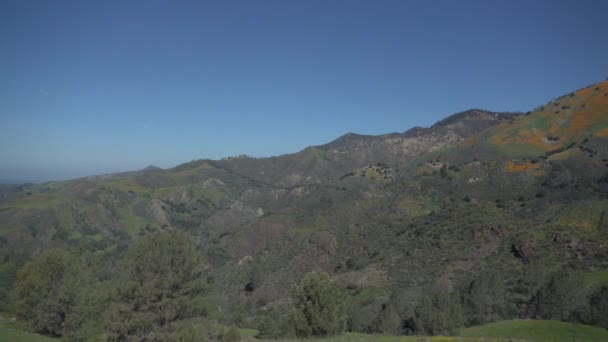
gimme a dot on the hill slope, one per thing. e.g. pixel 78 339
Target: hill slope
pixel 476 194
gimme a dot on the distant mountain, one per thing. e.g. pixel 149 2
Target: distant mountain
pixel 351 151
pixel 478 191
pixel 418 140
pixel 151 168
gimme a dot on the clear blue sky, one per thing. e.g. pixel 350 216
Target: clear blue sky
pixel 88 87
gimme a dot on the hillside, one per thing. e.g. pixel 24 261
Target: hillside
pixel 551 128
pixel 477 195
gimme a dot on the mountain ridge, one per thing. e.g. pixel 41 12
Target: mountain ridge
pixel 386 216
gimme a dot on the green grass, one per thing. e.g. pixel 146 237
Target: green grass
pixel 356 337
pixel 597 277
pixel 40 201
pixel 133 222
pixel 126 184
pixel 12 334
pixel 214 193
pixel 582 215
pixel 248 334
pixel 521 330
pixel 313 151
pixel 370 294
pixel 538 330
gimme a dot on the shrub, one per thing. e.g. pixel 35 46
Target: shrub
pixel 231 335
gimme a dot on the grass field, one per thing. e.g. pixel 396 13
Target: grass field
pixel 538 330
pixel 520 330
pixel 11 334
pixel 597 277
pixel 353 337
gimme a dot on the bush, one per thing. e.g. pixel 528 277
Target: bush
pixel 231 335
pixel 273 323
pixel 319 306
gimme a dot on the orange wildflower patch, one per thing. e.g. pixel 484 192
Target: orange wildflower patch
pixel 565 155
pixel 554 128
pixel 520 167
pixel 591 90
pixel 467 142
pixel 584 120
pixel 498 139
pixel 603 133
pixel 569 118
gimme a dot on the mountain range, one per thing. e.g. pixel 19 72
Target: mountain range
pixel 385 215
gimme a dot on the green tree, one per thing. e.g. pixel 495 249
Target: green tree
pixel 561 295
pixel 598 307
pixel 84 323
pixel 161 284
pixel 45 291
pixel 272 323
pixel 388 321
pixel 523 293
pixel 319 306
pixel 484 298
pixel 440 310
pixel 8 275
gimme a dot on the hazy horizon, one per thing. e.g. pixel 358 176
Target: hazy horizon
pixel 90 88
pixel 32 176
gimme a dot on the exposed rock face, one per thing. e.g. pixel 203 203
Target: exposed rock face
pixel 233 216
pixel 522 251
pixel 418 139
pixel 152 209
pixel 411 147
pixel 177 196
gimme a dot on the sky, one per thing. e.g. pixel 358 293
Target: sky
pixel 90 87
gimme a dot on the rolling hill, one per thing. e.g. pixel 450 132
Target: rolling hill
pixel 476 193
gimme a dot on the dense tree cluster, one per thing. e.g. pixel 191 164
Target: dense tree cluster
pixel 161 292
